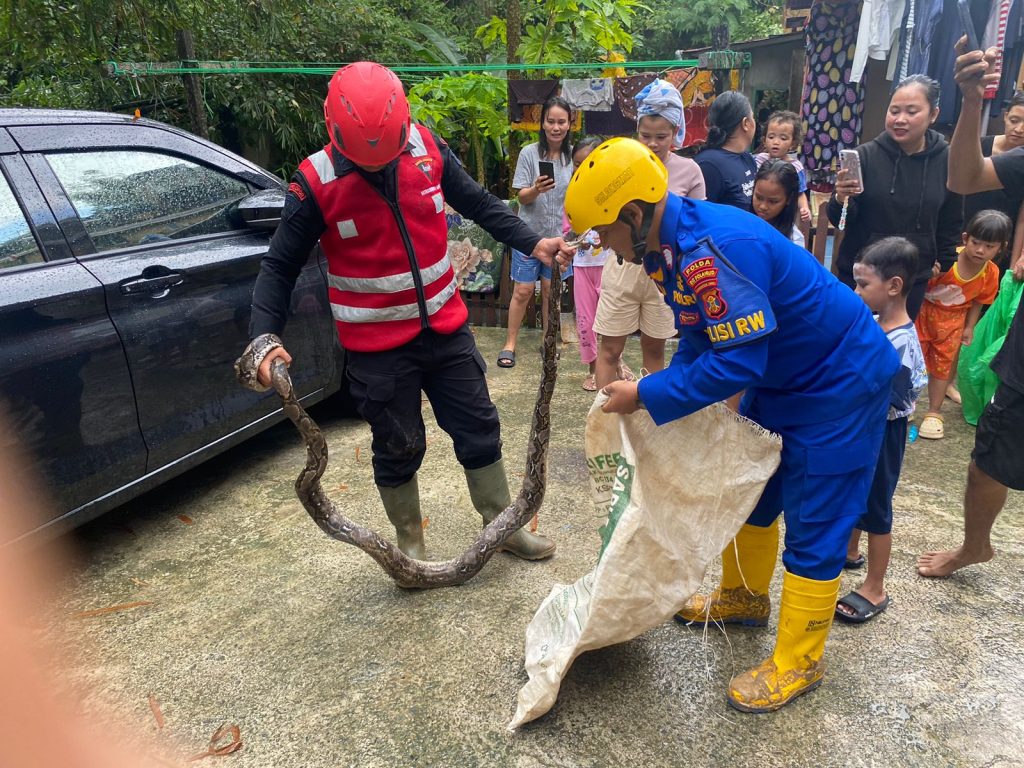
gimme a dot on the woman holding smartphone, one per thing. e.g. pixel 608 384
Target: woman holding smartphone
pixel 542 175
pixel 904 192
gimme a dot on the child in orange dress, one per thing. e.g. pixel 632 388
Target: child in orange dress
pixel 952 306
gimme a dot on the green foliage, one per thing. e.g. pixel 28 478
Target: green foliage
pixel 54 53
pixel 670 25
pixel 562 31
pixel 466 108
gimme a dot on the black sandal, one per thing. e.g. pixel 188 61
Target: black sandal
pixel 863 609
pixel 507 358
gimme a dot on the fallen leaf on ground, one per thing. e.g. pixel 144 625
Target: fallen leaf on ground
pixel 426 522
pixel 342 486
pixel 186 519
pixel 112 609
pixel 154 707
pixel 231 731
pixel 139 582
pixel 357 455
pixel 534 522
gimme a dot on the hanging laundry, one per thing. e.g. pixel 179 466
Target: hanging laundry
pixel 699 89
pixel 524 92
pixel 696 124
pixel 995 35
pixel 594 94
pixel 940 62
pixel 832 106
pixel 626 89
pixel 680 77
pixel 900 59
pixel 529 118
pixel 878 30
pixel 608 124
pixel 1013 57
pixel 929 14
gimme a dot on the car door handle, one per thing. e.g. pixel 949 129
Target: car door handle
pixel 150 285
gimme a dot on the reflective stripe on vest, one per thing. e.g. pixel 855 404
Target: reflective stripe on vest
pixel 391 283
pixel 348 314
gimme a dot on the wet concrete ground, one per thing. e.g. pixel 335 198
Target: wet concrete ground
pixel 258 619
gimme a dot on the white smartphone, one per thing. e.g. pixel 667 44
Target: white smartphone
pixel 849 161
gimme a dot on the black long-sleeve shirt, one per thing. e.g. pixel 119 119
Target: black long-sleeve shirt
pixel 302 224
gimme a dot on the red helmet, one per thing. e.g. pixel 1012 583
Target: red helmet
pixel 367 113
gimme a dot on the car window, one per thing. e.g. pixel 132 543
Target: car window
pixel 127 198
pixel 17 245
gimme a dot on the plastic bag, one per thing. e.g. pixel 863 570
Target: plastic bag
pixel 975 380
pixel 674 496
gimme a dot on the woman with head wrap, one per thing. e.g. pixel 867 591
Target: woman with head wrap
pixel 661 125
pixel 725 161
pixel 629 300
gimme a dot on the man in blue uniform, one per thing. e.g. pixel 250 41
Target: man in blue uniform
pixel 756 314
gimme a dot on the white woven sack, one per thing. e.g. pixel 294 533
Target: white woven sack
pixel 674 496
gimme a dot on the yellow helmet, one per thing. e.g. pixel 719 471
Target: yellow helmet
pixel 617 172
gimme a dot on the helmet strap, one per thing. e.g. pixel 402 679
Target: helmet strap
pixel 639 236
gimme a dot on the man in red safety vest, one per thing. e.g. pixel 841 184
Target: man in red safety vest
pixel 374 197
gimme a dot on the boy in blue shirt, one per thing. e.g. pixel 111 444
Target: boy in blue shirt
pixel 884 273
pixel 755 313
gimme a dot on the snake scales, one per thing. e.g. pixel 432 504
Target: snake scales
pixel 406 571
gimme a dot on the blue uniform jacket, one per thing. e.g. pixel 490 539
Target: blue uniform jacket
pixel 757 312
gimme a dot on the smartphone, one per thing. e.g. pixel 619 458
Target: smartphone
pixel 964 7
pixel 849 161
pixel 547 168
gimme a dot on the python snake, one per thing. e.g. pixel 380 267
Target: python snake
pixel 407 572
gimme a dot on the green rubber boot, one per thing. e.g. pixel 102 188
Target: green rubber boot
pixel 488 488
pixel 403 507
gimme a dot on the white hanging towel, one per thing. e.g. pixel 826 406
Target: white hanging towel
pixel 593 94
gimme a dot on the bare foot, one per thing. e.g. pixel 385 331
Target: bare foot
pixel 938 565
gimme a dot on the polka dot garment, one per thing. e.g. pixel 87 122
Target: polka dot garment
pixel 831 106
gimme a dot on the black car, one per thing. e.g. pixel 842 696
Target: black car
pixel 128 253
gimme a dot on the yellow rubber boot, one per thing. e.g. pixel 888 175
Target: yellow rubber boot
pixel 805 618
pixel 742 597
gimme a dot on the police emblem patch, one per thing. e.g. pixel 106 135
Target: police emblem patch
pixel 714 305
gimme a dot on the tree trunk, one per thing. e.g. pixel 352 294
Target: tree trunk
pixel 193 92
pixel 477 142
pixel 513 36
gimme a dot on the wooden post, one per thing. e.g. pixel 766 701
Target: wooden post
pixel 193 93
pixel 796 79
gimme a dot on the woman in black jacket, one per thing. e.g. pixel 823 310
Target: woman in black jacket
pixel 904 171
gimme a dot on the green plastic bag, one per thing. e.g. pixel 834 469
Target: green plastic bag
pixel 976 381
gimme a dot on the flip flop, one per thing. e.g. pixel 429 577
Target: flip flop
pixel 954 394
pixel 590 384
pixel 931 427
pixel 507 358
pixel 626 373
pixel 863 609
pixel 853 565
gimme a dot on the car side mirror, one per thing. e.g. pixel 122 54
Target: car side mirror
pixel 261 210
